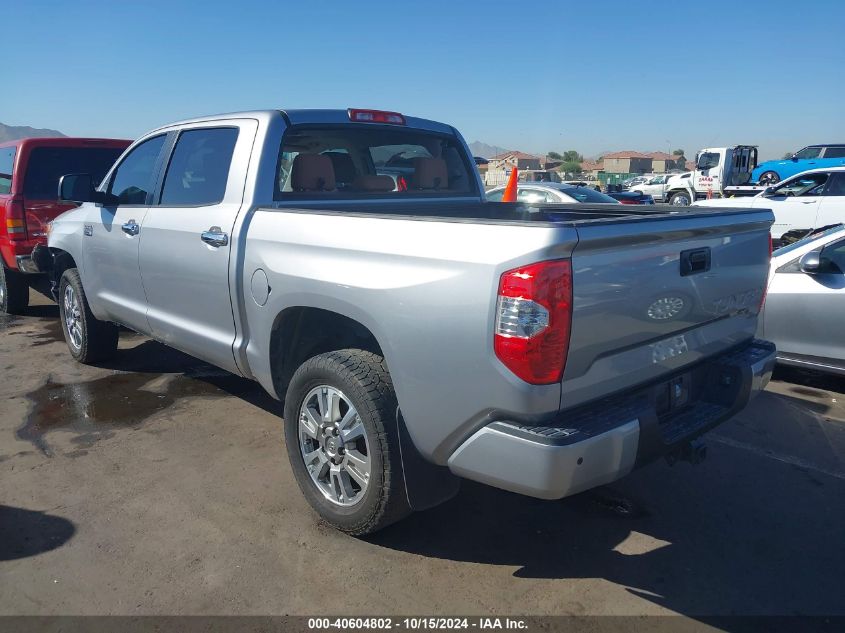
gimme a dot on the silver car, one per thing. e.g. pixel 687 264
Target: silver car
pixel 806 300
pixel 552 192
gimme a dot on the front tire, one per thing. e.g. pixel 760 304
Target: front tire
pixel 680 199
pixel 342 441
pixel 14 291
pixel 88 339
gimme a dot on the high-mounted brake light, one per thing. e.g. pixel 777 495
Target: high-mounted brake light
pixel 376 116
pixel 16 220
pixel 534 320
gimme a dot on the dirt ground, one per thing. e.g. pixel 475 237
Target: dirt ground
pixel 159 485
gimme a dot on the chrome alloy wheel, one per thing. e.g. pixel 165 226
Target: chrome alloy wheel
pixel 665 308
pixel 681 200
pixel 73 317
pixel 334 445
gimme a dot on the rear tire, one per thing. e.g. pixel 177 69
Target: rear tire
pixel 342 440
pixel 14 291
pixel 768 178
pixel 680 199
pixel 88 339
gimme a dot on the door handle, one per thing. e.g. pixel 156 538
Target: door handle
pixel 131 228
pixel 809 201
pixel 215 237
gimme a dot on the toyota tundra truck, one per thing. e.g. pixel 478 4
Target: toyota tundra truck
pixel 416 334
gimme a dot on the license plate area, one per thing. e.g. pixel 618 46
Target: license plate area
pixel 674 395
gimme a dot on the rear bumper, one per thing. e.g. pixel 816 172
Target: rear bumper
pixel 602 441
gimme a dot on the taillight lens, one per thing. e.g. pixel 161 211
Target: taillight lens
pixel 16 219
pixel 534 319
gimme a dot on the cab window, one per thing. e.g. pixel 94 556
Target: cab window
pixel 199 168
pixel 134 178
pixel 371 161
pixel 7 166
pixel 708 160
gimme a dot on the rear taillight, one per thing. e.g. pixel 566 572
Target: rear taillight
pixel 533 320
pixel 16 219
pixel 623 201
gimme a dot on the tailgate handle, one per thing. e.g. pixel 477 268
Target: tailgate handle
pixel 695 261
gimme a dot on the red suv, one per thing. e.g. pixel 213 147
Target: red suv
pixel 29 181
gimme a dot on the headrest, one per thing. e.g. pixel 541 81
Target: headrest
pixel 430 173
pixel 312 172
pixel 374 183
pixel 344 168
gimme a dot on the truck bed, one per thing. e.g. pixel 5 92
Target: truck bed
pixel 504 212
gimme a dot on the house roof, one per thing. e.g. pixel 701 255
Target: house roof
pixel 626 154
pixel 513 154
pixel 662 156
pixel 589 165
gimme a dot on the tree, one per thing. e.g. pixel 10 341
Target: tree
pixel 787 155
pixel 571 167
pixel 678 153
pixel 571 156
pixel 554 156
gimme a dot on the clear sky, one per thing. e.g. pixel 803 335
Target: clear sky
pixel 593 76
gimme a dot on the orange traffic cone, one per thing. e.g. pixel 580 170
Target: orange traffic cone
pixel 510 188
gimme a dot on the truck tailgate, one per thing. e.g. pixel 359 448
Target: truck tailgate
pixel 652 296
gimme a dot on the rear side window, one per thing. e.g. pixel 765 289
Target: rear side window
pixel 7 166
pixel 46 165
pixel 199 167
pixel 134 177
pixel 834 152
pixel 371 161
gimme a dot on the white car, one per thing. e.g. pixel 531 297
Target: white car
pixel 806 201
pixel 654 187
pixel 805 302
pixel 552 192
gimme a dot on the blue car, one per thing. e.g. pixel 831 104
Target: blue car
pixel 811 157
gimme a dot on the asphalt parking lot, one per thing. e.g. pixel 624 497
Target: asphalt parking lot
pixel 159 485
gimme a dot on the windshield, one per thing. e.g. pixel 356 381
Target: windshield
pixel 47 164
pixel 369 161
pixel 808 152
pixel 810 237
pixel 588 194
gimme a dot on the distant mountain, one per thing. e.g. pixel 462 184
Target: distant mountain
pixel 484 150
pixel 14 132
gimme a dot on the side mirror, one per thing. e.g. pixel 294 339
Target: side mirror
pixel 810 263
pixel 768 192
pixel 78 188
pixel 793 158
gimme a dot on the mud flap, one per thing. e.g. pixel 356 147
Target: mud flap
pixel 426 484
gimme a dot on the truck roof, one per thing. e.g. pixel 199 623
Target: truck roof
pixel 65 141
pixel 313 116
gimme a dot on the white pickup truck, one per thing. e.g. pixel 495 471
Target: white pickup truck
pixel 720 172
pixel 348 261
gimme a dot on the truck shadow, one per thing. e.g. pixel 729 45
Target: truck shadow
pixel 740 534
pixel 25 533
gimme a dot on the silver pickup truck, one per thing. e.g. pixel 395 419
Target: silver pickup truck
pixel 417 334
